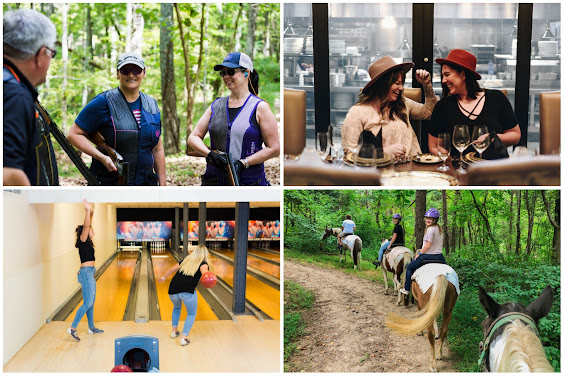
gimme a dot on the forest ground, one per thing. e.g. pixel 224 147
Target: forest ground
pixel 345 329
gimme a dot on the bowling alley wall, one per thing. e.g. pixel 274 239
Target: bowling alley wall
pixel 41 261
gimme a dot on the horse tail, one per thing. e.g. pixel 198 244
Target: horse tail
pixel 406 261
pixel 425 317
pixel 357 248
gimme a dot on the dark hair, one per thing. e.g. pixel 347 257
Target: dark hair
pixel 348 216
pixel 254 82
pixel 381 92
pixel 78 233
pixel 472 86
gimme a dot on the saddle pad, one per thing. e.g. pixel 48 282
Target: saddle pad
pixel 425 276
pixel 396 254
pixel 349 241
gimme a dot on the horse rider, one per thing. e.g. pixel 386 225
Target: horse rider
pixel 396 239
pixel 347 228
pixel 432 251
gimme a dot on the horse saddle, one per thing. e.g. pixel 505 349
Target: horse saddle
pixel 425 276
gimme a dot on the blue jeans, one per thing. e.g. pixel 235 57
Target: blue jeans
pixel 88 281
pixel 191 303
pixel 416 264
pixel 382 249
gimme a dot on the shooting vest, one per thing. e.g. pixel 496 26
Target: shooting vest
pixel 45 167
pixel 237 136
pixel 135 142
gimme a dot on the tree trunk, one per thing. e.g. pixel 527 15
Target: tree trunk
pixel 185 39
pixel 266 45
pixel 530 204
pixel 511 194
pixel 137 31
pixel 420 207
pixel 65 59
pixel 89 55
pixel 555 222
pixel 445 222
pixel 483 214
pixel 518 226
pixel 128 26
pixel 251 29
pixel 170 120
pixel 378 208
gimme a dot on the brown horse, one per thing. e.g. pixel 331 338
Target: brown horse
pixel 440 298
pixel 355 250
pixel 511 341
pixel 398 268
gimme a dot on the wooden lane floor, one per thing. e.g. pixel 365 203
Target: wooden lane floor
pixel 112 289
pixel 266 298
pixel 263 266
pixel 161 263
pixel 247 345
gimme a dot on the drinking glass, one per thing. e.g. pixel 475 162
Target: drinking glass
pixel 367 153
pixel 336 136
pixel 480 138
pixel 322 144
pixel 356 148
pixel 443 145
pixel 461 140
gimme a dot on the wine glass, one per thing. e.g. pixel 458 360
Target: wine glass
pixel 480 138
pixel 366 156
pixel 443 146
pixel 461 140
pixel 336 136
pixel 321 144
pixel 355 149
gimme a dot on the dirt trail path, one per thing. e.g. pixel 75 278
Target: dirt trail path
pixel 345 328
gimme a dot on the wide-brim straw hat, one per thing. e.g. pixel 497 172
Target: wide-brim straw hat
pixel 462 59
pixel 382 66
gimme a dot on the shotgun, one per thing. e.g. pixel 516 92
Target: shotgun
pixel 67 147
pixel 121 165
pixel 231 172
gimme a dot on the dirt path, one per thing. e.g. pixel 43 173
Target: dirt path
pixel 345 328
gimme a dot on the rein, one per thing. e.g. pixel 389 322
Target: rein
pixel 499 322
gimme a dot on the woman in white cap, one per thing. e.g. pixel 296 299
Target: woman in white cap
pixel 465 102
pixel 238 124
pixel 130 122
pixel 382 107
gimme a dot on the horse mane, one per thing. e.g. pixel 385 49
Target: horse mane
pixel 426 316
pixel 523 351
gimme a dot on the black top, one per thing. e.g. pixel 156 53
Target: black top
pixel 399 237
pixel 497 114
pixel 234 111
pixel 27 143
pixel 86 251
pixel 185 283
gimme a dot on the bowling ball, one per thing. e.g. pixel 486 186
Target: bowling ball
pixel 121 368
pixel 208 280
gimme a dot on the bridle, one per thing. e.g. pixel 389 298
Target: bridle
pixel 496 324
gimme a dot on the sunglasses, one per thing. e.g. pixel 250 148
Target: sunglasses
pixel 130 69
pixel 229 72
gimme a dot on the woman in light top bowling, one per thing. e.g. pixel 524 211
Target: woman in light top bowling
pixel 183 289
pixel 84 235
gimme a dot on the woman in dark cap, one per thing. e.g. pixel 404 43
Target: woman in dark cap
pixel 465 102
pixel 238 124
pixel 382 107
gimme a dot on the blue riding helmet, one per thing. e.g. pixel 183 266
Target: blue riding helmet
pixel 432 213
pixel 397 216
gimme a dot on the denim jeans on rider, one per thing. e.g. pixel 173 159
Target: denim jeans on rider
pixel 416 264
pixel 191 303
pixel 382 249
pixel 88 281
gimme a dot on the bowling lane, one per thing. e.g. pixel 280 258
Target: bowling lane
pixel 161 263
pixel 112 289
pixel 263 266
pixel 260 294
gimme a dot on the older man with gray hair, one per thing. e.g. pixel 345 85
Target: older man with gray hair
pixel 29 45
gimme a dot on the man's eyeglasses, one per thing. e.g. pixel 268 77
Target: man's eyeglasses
pixel 229 72
pixel 52 51
pixel 130 69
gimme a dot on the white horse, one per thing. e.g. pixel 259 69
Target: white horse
pixel 396 262
pixel 352 242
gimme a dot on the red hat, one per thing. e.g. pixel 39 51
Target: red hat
pixel 462 59
pixel 382 66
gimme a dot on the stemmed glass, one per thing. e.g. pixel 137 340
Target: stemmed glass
pixel 367 152
pixel 355 149
pixel 443 146
pixel 461 140
pixel 480 138
pixel 321 144
pixel 336 136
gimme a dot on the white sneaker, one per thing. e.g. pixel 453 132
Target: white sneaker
pixel 174 334
pixel 404 291
pixel 184 341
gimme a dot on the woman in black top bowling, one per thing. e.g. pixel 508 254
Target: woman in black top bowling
pixel 183 289
pixel 84 234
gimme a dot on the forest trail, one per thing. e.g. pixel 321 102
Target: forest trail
pixel 345 327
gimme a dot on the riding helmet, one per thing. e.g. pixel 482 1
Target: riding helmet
pixel 397 216
pixel 432 213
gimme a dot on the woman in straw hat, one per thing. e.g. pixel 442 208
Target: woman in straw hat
pixel 465 102
pixel 381 106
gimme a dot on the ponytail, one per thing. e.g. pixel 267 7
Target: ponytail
pixel 254 82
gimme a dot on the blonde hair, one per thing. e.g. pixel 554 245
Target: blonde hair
pixel 435 223
pixel 192 262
